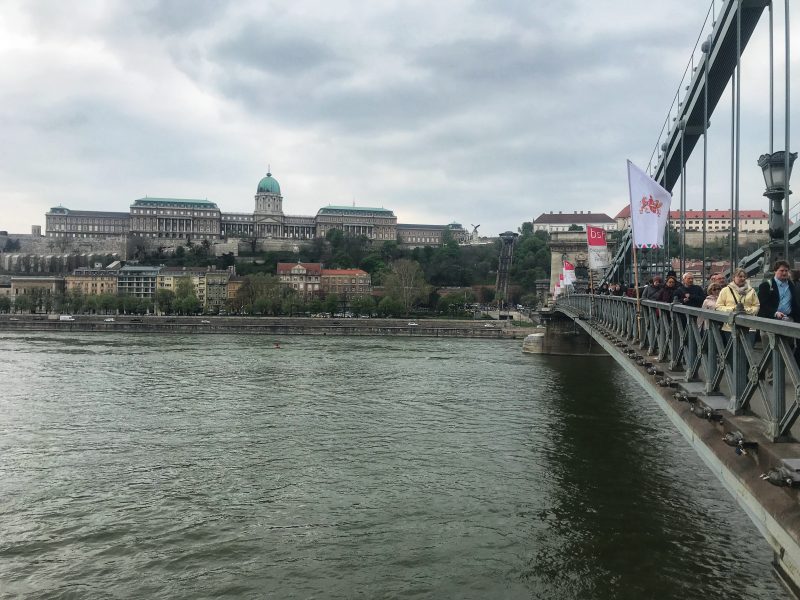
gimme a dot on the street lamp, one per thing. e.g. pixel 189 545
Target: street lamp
pixel 776 178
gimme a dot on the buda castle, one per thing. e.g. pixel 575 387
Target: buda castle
pixel 175 221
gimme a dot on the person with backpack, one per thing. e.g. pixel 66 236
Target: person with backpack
pixel 777 296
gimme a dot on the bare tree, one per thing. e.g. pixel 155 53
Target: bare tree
pixel 135 248
pixel 406 283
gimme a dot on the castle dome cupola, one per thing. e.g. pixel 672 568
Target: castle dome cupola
pixel 268 185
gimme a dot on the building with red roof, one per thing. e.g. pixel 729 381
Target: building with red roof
pixel 756 221
pixel 304 278
pixel 561 221
pixel 310 279
pixel 346 282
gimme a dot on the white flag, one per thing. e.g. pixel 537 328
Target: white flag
pixel 560 285
pixel 649 208
pixel 569 273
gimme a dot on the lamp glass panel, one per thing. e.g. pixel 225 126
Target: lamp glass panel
pixel 767 171
pixel 778 179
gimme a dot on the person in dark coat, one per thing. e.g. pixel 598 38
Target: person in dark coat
pixel 653 289
pixel 667 294
pixel 690 294
pixel 778 298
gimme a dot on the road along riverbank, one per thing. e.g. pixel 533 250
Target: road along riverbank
pixel 276 326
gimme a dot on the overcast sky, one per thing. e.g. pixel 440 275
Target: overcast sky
pixel 483 113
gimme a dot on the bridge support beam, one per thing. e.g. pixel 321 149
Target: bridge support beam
pixel 560 336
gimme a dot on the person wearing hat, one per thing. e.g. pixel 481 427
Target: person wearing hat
pixel 653 289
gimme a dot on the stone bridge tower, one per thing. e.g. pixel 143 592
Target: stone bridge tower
pixel 571 246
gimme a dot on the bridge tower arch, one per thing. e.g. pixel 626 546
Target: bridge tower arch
pixel 571 246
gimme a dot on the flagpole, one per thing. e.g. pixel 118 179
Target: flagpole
pixel 635 267
pixel 636 285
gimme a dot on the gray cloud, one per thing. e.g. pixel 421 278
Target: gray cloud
pixel 479 112
pixel 179 17
pixel 276 53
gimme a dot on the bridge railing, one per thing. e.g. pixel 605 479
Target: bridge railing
pixel 750 360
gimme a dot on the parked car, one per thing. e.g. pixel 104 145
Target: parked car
pixel 109 320
pixel 137 320
pixel 488 325
pixel 205 321
pixel 412 324
pixel 13 319
pixel 66 318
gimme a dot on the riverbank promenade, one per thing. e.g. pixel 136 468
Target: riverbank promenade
pixel 277 326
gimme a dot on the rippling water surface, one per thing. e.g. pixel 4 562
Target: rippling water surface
pixel 218 466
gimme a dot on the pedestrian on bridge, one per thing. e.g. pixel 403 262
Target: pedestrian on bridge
pixel 738 296
pixel 778 297
pixel 718 278
pixel 710 303
pixel 690 294
pixel 653 289
pixel 668 293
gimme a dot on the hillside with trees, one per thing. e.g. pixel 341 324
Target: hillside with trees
pixel 438 280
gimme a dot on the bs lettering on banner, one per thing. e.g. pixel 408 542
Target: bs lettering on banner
pixel 598 251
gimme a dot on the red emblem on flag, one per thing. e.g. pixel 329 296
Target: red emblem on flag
pixel 650 205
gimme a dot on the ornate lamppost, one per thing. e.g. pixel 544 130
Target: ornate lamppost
pixel 777 169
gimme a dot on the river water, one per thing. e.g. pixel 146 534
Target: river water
pixel 149 466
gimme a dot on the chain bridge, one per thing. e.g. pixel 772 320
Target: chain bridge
pixel 730 384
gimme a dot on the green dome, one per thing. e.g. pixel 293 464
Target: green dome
pixel 268 185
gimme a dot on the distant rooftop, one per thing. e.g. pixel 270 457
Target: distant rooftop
pixel 188 202
pixel 575 218
pixel 62 210
pixel 698 214
pixel 401 226
pixel 345 272
pixel 311 268
pixel 331 208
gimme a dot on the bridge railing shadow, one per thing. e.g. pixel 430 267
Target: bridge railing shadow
pixel 750 360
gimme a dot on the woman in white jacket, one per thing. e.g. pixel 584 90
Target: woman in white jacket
pixel 738 296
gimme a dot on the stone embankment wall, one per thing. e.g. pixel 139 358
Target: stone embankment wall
pixel 33 264
pixel 694 239
pixel 39 254
pixel 265 326
pixel 29 244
